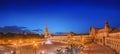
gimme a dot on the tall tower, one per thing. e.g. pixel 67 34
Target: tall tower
pixel 46 34
pixel 92 31
pixel 106 24
pixel 107 27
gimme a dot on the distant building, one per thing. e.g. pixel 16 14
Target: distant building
pixel 69 37
pixel 106 36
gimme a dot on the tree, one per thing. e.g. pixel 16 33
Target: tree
pixel 1 34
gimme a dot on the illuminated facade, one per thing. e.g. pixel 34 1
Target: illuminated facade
pixel 70 37
pixel 82 38
pixel 106 36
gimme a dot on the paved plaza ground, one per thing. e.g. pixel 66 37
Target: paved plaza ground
pixel 48 49
pixel 51 49
pixel 96 49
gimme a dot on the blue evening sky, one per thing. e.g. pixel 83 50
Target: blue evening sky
pixel 60 15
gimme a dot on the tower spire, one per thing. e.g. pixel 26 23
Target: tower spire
pixel 107 27
pixel 107 24
pixel 46 31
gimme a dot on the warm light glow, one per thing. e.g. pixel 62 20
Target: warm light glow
pixel 73 38
pixel 20 41
pixel 33 41
pixel 35 44
pixel 83 39
pixel 15 44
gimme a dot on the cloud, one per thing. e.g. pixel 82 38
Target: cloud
pixel 14 29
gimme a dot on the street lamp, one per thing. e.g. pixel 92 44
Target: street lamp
pixel 14 52
pixel 20 42
pixel 33 41
pixel 15 44
pixel 35 45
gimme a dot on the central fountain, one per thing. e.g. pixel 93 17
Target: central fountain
pixel 48 41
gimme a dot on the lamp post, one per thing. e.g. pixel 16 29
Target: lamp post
pixel 35 45
pixel 20 42
pixel 14 52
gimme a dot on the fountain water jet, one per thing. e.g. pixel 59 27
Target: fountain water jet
pixel 48 41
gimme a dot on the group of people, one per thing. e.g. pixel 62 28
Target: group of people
pixel 64 51
pixel 13 52
pixel 68 50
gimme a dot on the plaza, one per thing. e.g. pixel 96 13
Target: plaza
pixel 102 42
pixel 96 49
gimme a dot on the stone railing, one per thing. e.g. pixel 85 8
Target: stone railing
pixel 113 43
